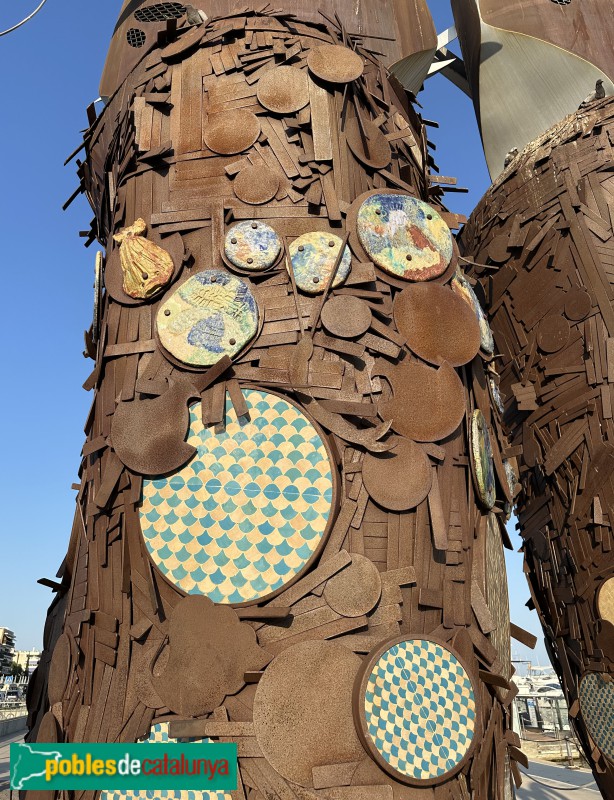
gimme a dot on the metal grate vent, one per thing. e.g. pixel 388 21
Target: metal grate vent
pixel 562 2
pixel 158 12
pixel 136 37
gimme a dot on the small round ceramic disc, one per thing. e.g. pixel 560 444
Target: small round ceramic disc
pixel 211 315
pixel 376 152
pixel 597 708
pixel 553 333
pixel 229 132
pixel 303 709
pixel 346 316
pixel 577 304
pixel 399 479
pixel 416 710
pixel 427 405
pixel 283 90
pixel 605 600
pixel 251 509
pixel 313 257
pixel 404 236
pixel 256 184
pixel 437 324
pixel 464 289
pixel 356 589
pixel 481 460
pixel 335 63
pixel 252 245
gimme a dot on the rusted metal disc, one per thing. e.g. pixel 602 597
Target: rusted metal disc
pixel 346 316
pixel 48 732
pixel 59 671
pixel 379 152
pixel 438 324
pixel 356 589
pixel 283 90
pixel 400 479
pixel 229 132
pixel 368 773
pixel 497 249
pixel 577 304
pixel 256 184
pixel 482 460
pixel 335 63
pixel 303 709
pixel 427 405
pixel 553 333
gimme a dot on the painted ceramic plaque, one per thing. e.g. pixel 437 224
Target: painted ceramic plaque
pixel 248 513
pixel 416 710
pixel 461 286
pixel 252 245
pixel 605 601
pixel 159 735
pixel 597 708
pixel 211 315
pixel 481 460
pixel 404 236
pixel 313 257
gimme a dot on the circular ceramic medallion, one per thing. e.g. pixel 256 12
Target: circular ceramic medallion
pixel 597 708
pixel 462 287
pixel 496 395
pixel 283 90
pixel 335 63
pixel 211 315
pixel 605 601
pixel 481 460
pixel 313 257
pixel 404 236
pixel 252 245
pixel 230 132
pixel 249 512
pixel 159 735
pixel 416 710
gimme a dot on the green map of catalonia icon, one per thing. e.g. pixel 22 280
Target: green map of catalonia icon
pixel 27 763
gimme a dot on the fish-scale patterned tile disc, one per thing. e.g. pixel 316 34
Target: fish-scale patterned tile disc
pixel 248 513
pixel 417 710
pixel 597 707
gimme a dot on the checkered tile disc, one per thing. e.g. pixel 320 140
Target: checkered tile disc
pixel 248 512
pixel 159 735
pixel 597 707
pixel 420 709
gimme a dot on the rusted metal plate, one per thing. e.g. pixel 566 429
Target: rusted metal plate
pixel 335 63
pixel 229 132
pixel 368 143
pixel 256 184
pixel 356 589
pixel 400 479
pixel 283 90
pixel 553 333
pixel 346 316
pixel 437 324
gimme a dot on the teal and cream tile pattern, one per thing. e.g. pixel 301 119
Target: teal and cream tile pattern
pixel 248 512
pixel 159 735
pixel 597 707
pixel 420 709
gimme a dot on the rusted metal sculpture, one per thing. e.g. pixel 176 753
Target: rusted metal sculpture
pixel 294 452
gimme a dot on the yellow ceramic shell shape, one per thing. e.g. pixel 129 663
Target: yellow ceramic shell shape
pixel 146 267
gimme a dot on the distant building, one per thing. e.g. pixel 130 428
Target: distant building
pixel 27 659
pixel 7 650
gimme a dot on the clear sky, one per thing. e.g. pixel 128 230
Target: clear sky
pixel 52 67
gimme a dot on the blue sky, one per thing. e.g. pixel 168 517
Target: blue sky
pixel 52 67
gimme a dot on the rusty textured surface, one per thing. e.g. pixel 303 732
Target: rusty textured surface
pixel 168 149
pixel 548 221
